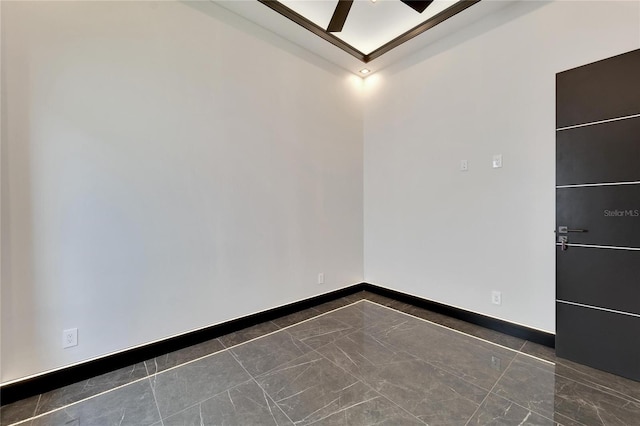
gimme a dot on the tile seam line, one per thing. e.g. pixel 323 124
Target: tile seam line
pixel 593 123
pixel 229 348
pixel 528 409
pixel 437 367
pixel 517 351
pixel 262 389
pixel 490 391
pixel 463 333
pixel 178 366
pixel 365 383
pixel 313 352
pixel 153 392
pixel 265 335
pixel 280 329
pixel 212 396
pixel 604 389
pixel 98 357
pixel 209 398
pixel 78 402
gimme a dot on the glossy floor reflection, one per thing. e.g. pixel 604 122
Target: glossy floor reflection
pixel 373 361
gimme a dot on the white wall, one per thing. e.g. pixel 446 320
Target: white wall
pixel 168 166
pixel 165 167
pixel 452 237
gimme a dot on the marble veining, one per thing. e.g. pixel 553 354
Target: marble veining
pixel 245 404
pixel 346 363
pixel 132 405
pixel 320 331
pixel 499 411
pixel 262 355
pixel 19 410
pixel 193 383
pixel 88 388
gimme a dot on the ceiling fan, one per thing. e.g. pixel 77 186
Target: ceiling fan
pixel 342 11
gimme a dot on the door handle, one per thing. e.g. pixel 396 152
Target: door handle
pixel 565 229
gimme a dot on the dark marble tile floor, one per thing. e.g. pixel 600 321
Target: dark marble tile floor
pixel 359 360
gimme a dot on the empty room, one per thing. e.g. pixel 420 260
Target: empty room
pixel 320 212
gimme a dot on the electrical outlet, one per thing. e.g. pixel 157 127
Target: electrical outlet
pixel 69 338
pixel 321 278
pixel 496 297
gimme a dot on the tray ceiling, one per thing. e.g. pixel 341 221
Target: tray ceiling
pixel 369 25
pixel 369 34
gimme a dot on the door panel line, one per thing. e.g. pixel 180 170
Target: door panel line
pixel 600 247
pixel 598 308
pixel 593 123
pixel 583 185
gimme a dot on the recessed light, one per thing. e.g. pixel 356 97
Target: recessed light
pixel 365 71
pixel 373 1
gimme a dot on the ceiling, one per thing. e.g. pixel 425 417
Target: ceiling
pixel 369 25
pixel 374 34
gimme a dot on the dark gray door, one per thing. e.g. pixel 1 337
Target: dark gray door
pixel 598 215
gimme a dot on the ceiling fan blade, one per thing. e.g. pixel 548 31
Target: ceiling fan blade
pixel 339 16
pixel 417 5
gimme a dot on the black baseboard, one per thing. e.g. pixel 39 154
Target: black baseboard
pixel 66 376
pixel 536 336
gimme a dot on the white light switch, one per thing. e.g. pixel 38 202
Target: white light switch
pixel 464 165
pixel 497 161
